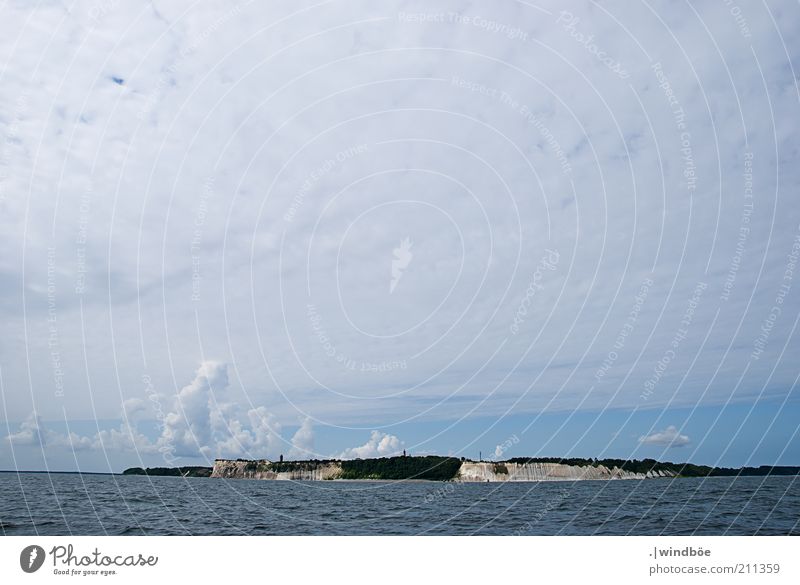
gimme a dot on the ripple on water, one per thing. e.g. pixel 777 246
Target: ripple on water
pixel 67 504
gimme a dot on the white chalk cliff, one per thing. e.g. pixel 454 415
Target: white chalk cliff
pixel 469 471
pixel 488 471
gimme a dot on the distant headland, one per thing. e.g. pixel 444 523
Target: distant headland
pixel 438 468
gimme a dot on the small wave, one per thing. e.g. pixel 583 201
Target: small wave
pixel 135 500
pixel 131 530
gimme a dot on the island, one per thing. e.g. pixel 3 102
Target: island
pixel 440 468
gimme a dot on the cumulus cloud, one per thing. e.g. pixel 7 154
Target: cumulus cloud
pixel 261 437
pixel 29 433
pixel 205 423
pixel 669 437
pixel 303 440
pixel 32 433
pixel 132 408
pixel 125 438
pixel 189 428
pixel 379 445
pixel 200 424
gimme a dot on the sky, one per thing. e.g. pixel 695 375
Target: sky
pixel 348 229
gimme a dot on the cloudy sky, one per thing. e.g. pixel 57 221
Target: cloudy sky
pixel 349 228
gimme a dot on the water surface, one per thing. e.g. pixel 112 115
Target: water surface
pixel 72 504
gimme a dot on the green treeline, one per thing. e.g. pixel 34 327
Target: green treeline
pixel 307 465
pixel 431 467
pixel 576 461
pixel 762 470
pixel 191 471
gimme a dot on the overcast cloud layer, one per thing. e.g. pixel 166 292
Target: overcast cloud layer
pixel 226 228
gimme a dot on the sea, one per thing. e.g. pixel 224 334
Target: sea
pixel 81 504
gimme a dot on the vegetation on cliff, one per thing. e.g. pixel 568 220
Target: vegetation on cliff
pixel 500 468
pixel 577 461
pixel 295 466
pixel 191 471
pixel 431 467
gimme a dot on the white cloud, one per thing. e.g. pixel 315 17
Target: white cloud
pixel 200 425
pixel 122 439
pixel 29 433
pixel 189 428
pixel 133 408
pixel 303 440
pixel 205 423
pixel 379 445
pixel 669 437
pixel 259 439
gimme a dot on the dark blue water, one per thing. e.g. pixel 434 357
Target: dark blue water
pixel 92 505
